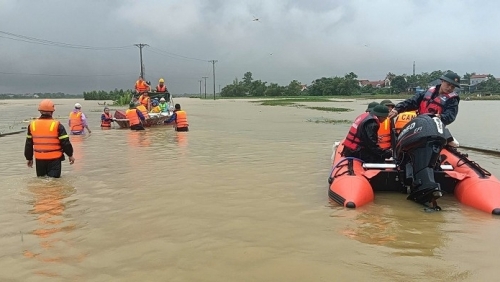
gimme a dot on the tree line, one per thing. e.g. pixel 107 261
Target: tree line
pixel 58 95
pixel 346 85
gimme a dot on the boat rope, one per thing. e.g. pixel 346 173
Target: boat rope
pixel 464 160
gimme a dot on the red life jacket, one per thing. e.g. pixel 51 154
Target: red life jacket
pixel 434 106
pixel 352 141
pixel 161 88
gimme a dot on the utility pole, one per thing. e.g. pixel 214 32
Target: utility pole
pixel 219 89
pixel 205 77
pixel 141 45
pixel 213 71
pixel 200 88
pixel 413 67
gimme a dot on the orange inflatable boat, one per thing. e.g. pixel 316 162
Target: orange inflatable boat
pixel 423 167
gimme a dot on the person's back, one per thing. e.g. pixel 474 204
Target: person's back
pixel 143 110
pixel 134 117
pixel 402 119
pixel 46 142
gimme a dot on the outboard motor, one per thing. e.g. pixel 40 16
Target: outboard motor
pixel 420 143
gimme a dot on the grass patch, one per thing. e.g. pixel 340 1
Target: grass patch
pixel 330 121
pixel 289 101
pixel 330 109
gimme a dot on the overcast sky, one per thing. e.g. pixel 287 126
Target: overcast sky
pixel 292 39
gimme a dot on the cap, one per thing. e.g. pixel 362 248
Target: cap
pixel 380 111
pixel 371 106
pixel 78 106
pixel 452 78
pixel 387 103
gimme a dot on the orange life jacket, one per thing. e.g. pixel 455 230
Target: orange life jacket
pixel 403 118
pixel 162 88
pixel 107 121
pixel 353 141
pixel 181 119
pixel 384 134
pixel 75 121
pixel 133 117
pixel 46 143
pixel 434 106
pixel 144 100
pixel 143 110
pixel 141 86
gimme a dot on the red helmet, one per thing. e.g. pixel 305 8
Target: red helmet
pixel 46 106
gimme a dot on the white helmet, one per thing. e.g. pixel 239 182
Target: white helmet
pixel 162 99
pixel 78 106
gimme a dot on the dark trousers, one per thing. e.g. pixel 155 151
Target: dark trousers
pixel 137 127
pixel 182 129
pixel 365 155
pixel 50 168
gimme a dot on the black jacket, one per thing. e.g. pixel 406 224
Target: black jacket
pixel 65 143
pixel 369 138
pixel 450 108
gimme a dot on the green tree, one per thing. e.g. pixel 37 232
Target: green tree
pixel 399 84
pixel 294 88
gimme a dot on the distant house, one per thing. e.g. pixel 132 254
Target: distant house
pixel 303 87
pixel 375 83
pixel 478 78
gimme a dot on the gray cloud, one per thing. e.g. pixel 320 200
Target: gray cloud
pixel 307 40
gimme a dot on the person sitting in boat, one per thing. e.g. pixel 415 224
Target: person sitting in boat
pixel 371 106
pixel 155 108
pixel 135 117
pixel 384 132
pixel 161 87
pixel 106 118
pixel 402 119
pixel 141 86
pixel 180 118
pixel 163 105
pixel 77 121
pixel 145 100
pixel 440 100
pixel 362 139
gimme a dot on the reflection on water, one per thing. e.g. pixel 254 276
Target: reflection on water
pixel 53 224
pixel 237 198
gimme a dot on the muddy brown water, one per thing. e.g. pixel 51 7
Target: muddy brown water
pixel 241 197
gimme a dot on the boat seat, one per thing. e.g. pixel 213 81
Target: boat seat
pixel 393 166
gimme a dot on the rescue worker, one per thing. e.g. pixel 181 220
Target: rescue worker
pixel 161 87
pixel 143 110
pixel 47 141
pixel 106 118
pixel 141 86
pixel 77 121
pixel 163 105
pixel 362 140
pixel 402 119
pixel 440 100
pixel 384 132
pixel 145 100
pixel 371 106
pixel 135 117
pixel 180 118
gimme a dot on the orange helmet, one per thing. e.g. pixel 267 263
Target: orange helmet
pixel 46 106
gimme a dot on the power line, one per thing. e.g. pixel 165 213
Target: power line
pixel 75 75
pixel 173 55
pixel 33 40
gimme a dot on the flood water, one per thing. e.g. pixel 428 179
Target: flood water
pixel 242 196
